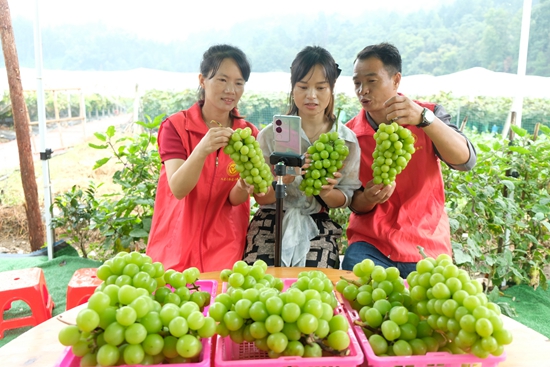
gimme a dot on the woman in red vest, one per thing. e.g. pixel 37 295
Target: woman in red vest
pixel 202 206
pixel 389 221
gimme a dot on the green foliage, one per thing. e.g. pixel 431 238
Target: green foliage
pixel 499 211
pixel 78 208
pixel 341 216
pixel 260 108
pixel 122 219
pixel 157 102
pixel 125 219
pixel 94 103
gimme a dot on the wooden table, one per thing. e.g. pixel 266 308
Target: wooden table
pixel 39 345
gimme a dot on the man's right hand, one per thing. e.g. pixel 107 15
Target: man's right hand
pixel 375 194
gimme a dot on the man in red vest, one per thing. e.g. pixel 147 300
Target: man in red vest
pixel 388 222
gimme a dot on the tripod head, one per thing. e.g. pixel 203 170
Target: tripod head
pixel 283 160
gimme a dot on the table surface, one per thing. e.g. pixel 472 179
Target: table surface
pixel 39 345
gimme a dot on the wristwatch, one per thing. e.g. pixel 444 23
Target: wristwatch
pixel 427 118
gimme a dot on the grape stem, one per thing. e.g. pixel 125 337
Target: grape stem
pixel 421 250
pixel 350 281
pixel 194 287
pixel 60 318
pixel 310 339
pixel 338 117
pixel 368 327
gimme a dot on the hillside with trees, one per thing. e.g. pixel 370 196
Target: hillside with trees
pixel 452 37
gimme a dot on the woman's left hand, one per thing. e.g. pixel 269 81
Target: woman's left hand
pixel 326 189
pixel 241 184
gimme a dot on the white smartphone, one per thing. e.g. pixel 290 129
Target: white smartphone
pixel 286 133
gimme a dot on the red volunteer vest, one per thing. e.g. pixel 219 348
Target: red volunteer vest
pixel 415 213
pixel 203 229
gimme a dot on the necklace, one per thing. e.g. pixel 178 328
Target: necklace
pixel 315 136
pixel 214 123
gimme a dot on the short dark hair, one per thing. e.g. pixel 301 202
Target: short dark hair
pixel 385 52
pixel 304 61
pixel 214 56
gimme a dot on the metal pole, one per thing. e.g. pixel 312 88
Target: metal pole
pixel 522 60
pixel 278 221
pixel 45 154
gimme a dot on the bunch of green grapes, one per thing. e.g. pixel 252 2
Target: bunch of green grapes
pixel 140 314
pixel 249 160
pixel 327 156
pixel 443 310
pixel 455 306
pixel 394 149
pixel 297 322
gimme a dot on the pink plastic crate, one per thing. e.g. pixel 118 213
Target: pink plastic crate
pixel 68 359
pixel 229 353
pixel 436 359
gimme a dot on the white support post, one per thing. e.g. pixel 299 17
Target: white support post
pixel 44 153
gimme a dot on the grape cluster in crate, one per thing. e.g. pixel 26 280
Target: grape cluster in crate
pixel 299 321
pixel 441 310
pixel 141 314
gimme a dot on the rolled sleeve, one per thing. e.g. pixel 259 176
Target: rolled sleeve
pixel 442 114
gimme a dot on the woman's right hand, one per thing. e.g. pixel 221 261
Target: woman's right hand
pixel 215 138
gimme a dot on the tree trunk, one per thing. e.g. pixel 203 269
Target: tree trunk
pixel 21 123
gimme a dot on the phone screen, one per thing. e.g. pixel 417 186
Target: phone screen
pixel 286 133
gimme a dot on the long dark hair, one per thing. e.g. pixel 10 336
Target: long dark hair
pixel 213 58
pixel 303 63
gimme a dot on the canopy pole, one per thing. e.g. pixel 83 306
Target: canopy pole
pixel 45 154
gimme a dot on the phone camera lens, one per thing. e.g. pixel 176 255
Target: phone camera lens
pixel 279 130
pixel 278 122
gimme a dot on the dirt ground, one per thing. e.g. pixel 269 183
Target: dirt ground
pixel 71 164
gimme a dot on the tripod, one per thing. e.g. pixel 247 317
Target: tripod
pixel 281 162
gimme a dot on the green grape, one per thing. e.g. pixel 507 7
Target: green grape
pixel 69 335
pixel 178 326
pixel 188 346
pixel 87 319
pixel 195 320
pixel 402 348
pixel 133 354
pixel 277 342
pixel 208 329
pixel 114 334
pixel 338 340
pixel 153 344
pixel 107 355
pixel 135 333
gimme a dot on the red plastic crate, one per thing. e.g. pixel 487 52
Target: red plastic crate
pixel 229 353
pixel 68 359
pixel 436 359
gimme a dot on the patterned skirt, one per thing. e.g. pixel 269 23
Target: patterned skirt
pixel 260 240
